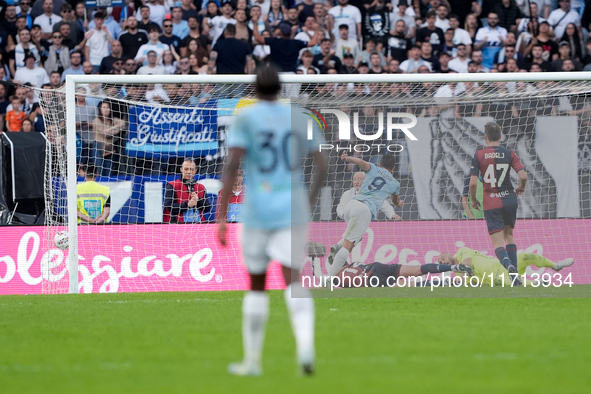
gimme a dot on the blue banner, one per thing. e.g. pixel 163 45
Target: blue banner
pixel 173 132
pixel 103 3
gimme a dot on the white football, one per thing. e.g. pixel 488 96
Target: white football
pixel 61 240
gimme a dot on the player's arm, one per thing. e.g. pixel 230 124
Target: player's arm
pixel 321 169
pixel 396 200
pixel 523 181
pixel 365 166
pixel 84 217
pixel 473 189
pixel 466 207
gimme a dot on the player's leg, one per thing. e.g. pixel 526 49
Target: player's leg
pixel 509 218
pixel 496 227
pixel 418 270
pixel 287 247
pixel 525 259
pixel 255 305
pixel 359 218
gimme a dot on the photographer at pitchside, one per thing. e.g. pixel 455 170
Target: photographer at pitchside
pixel 185 200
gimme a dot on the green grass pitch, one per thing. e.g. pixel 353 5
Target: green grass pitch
pixel 182 343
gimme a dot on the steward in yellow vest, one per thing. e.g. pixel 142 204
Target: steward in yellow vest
pixel 94 203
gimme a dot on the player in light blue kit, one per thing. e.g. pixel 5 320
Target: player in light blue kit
pixel 379 184
pixel 271 139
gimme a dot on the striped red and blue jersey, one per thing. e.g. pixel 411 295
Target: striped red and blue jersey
pixel 494 164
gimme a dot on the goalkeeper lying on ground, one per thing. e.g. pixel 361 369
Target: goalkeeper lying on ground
pixel 482 266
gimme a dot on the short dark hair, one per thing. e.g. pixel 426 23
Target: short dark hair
pixel 492 131
pixel 267 83
pixel 100 14
pixel 388 162
pixel 90 170
pixel 55 72
pixel 154 27
pixel 453 16
pixel 231 29
pixel 430 14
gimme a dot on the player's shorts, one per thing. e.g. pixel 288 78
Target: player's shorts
pixel 284 245
pixel 498 218
pixel 358 217
pixel 383 272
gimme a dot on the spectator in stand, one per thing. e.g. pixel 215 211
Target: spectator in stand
pixel 370 48
pixel 412 64
pixel 448 45
pixel 243 32
pixel 145 22
pixel 128 10
pixel 72 45
pixel 58 57
pixel 343 44
pixel 525 24
pixel 284 50
pixel 47 20
pixel 375 62
pixel 80 14
pixel 402 14
pixel 476 58
pixel 587 58
pixel 116 54
pixel 85 114
pixel 203 40
pixel 349 15
pixel 152 67
pixel 490 40
pixel 431 33
pixel 509 14
pixel 255 11
pixel 37 8
pixel 9 22
pixel 444 58
pixel 75 67
pixel 168 38
pixel 291 19
pixel 542 7
pixel 3 101
pixel 564 51
pixel 198 65
pixel 154 45
pixel 15 116
pixel 461 36
pixel 217 25
pixel 110 22
pixel 261 53
pixel 25 10
pixel 441 20
pixel 132 39
pixel 275 14
pixel 398 43
pixel 348 66
pixel 88 68
pixel 231 55
pixel 25 45
pixel 130 66
pixel 97 42
pixel 363 68
pixel 180 27
pixel 509 52
pixel 157 12
pixel 394 67
pixel 55 80
pixel 106 128
pixel 561 17
pixel 471 26
pixel 26 102
pixel 169 62
pixel 75 35
pixel 427 56
pixel 459 64
pixel 376 24
pixel 568 65
pixel 537 53
pixel 188 10
pixel 185 200
pixel 32 74
pixel 27 126
pixel 326 57
pixel 571 35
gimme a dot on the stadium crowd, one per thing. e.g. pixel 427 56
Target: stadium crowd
pixel 43 41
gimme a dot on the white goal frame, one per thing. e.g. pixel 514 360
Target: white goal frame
pixel 73 80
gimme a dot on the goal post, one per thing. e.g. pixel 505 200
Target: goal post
pixel 431 170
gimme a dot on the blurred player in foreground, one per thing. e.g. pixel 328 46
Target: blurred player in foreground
pixel 482 266
pixel 494 164
pixel 378 185
pixel 262 136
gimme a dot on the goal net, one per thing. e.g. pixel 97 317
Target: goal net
pixel 157 149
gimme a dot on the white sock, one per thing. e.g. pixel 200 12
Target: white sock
pixel 255 312
pixel 340 244
pixel 339 262
pixel 301 313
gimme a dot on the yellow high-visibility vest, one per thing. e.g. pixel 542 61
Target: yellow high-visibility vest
pixel 91 199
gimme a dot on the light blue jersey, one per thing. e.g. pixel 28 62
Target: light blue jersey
pixel 378 185
pixel 274 137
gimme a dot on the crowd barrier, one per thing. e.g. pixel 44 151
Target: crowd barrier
pixel 196 262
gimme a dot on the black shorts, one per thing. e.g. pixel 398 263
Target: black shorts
pixel 383 272
pixel 498 218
